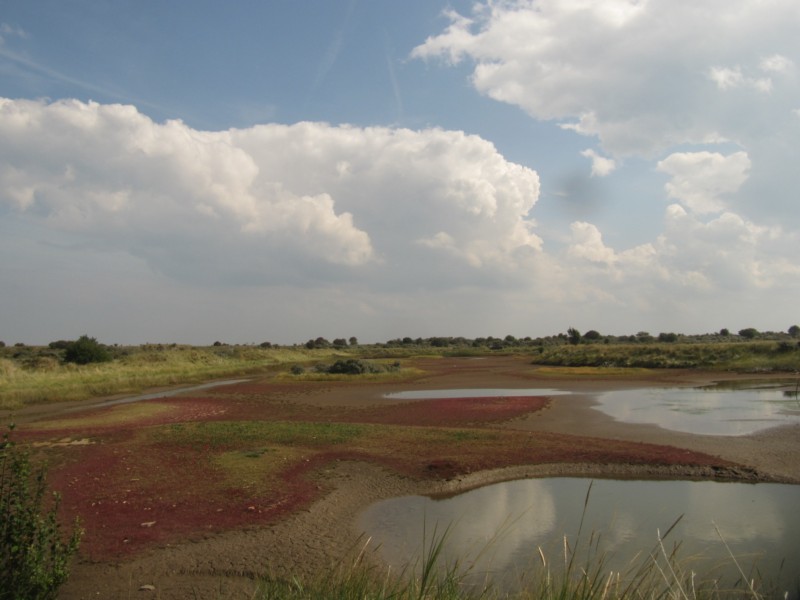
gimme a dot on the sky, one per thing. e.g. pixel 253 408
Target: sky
pixel 196 171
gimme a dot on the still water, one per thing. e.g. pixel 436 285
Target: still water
pixel 710 411
pixel 499 528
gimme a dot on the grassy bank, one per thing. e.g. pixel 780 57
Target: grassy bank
pixel 38 375
pixel 759 356
pixel 30 375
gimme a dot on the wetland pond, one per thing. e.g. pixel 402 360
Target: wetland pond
pixel 498 529
pixel 712 410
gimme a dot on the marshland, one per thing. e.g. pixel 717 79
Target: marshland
pixel 261 484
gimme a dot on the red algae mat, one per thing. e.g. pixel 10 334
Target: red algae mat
pixel 158 472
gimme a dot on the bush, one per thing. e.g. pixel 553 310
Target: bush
pixel 86 350
pixel 34 556
pixel 352 366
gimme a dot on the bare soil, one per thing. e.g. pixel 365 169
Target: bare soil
pixel 170 520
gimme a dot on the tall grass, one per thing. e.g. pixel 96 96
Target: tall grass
pixel 136 369
pixel 736 356
pixel 660 574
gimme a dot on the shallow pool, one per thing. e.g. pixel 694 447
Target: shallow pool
pixel 713 410
pixel 499 528
pixel 710 411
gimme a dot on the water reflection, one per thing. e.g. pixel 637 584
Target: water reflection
pixel 499 528
pixel 711 411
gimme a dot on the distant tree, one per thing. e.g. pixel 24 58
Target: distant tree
pixel 644 336
pixel 265 345
pixel 320 342
pixel 217 343
pixel 2 344
pixel 59 345
pixel 794 331
pixel 748 333
pixel 353 341
pixel 574 336
pixel 340 342
pixel 667 337
pixel 86 350
pixel 592 335
pixel 724 332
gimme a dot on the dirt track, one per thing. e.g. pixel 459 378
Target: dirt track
pixel 308 541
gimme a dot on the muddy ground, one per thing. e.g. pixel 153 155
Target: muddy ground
pixel 165 518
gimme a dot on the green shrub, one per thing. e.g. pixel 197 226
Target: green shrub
pixel 86 350
pixel 353 366
pixel 748 333
pixel 34 556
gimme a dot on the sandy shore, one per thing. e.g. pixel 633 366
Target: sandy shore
pixel 325 535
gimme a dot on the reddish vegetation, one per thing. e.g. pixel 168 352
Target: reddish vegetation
pixel 453 411
pixel 132 492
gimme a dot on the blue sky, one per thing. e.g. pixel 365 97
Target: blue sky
pixel 251 171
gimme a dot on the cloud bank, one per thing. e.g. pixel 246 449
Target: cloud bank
pixel 271 204
pixel 419 232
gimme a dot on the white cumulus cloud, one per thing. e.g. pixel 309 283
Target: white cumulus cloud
pixel 266 204
pixel 626 71
pixel 701 179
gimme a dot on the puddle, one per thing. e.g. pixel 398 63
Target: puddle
pixel 714 410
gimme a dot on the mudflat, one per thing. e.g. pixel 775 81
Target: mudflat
pixel 165 488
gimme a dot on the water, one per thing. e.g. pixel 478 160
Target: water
pixel 509 521
pixel 716 410
pixel 711 411
pixel 473 393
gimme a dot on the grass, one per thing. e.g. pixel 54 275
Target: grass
pixel 34 375
pixel 734 356
pixel 226 434
pixel 25 382
pixel 660 574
